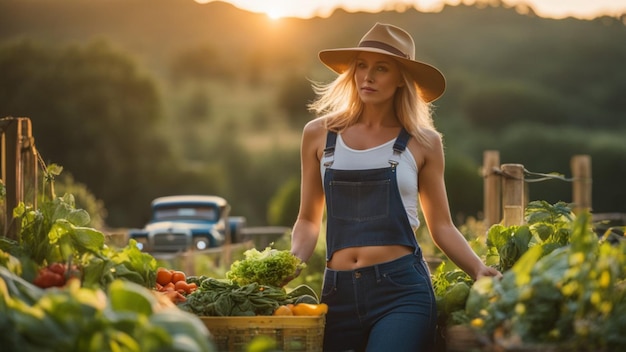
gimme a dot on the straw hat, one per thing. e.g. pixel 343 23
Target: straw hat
pixel 397 43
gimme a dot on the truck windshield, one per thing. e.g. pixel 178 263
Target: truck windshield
pixel 186 212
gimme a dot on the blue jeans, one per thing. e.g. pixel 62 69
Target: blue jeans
pixel 386 307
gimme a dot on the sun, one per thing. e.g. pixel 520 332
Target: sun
pixel 274 13
pixel 273 9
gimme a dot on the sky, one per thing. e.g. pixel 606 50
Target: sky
pixel 584 9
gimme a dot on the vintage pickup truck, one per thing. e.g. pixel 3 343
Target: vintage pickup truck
pixel 188 222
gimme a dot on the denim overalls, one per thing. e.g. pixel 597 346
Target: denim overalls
pixel 385 307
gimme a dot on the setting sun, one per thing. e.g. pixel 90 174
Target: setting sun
pixel 274 9
pixel 275 12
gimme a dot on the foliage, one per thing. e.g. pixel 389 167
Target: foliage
pixel 56 232
pixel 573 296
pixel 84 199
pixel 105 305
pixel 114 112
pixel 464 186
pixel 545 224
pixel 294 95
pixel 284 206
pixel 96 103
pixel 501 104
pixel 125 317
pixel 451 289
pixel 198 64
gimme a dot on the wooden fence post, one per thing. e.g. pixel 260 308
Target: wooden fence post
pixel 513 194
pixel 18 168
pixel 491 188
pixel 581 186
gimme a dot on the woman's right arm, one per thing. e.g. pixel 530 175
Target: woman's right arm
pixel 307 226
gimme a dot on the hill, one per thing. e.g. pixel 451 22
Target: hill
pixel 517 83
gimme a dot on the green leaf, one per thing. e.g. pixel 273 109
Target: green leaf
pixel 79 217
pixel 87 239
pixel 125 296
pixel 524 265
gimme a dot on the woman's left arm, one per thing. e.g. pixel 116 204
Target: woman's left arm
pixel 435 207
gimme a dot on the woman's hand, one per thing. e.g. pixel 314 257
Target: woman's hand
pixel 488 271
pixel 292 277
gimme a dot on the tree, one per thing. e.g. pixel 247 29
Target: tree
pixel 283 208
pixel 94 113
pixel 200 63
pixel 293 96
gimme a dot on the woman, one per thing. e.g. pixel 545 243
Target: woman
pixel 364 156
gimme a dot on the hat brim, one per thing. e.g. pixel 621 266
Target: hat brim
pixel 431 81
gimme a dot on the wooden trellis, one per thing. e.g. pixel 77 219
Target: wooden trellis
pixel 18 169
pixel 505 191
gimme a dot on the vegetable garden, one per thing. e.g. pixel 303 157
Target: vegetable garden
pixel 65 287
pixel 564 274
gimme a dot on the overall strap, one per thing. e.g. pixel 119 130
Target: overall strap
pixel 399 146
pixel 329 151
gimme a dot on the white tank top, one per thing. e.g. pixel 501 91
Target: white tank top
pixel 346 158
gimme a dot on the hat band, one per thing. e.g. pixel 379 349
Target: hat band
pixel 383 46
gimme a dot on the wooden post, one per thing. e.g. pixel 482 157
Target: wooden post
pixel 491 190
pixel 581 186
pixel 513 194
pixel 18 168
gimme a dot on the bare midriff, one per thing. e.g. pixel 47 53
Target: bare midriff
pixel 358 257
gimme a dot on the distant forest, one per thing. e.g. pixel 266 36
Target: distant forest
pixel 143 98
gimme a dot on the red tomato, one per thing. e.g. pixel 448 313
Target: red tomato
pixel 47 278
pixel 58 268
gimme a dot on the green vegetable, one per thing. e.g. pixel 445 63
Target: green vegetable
pixel 73 318
pixel 451 290
pixel 456 297
pixel 573 296
pixel 225 298
pixel 55 230
pixel 270 267
pixel 222 298
pixel 545 224
pixel 55 233
pixel 19 288
pixel 10 262
pixel 128 263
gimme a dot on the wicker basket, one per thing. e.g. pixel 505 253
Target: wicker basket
pixel 291 333
pixel 462 338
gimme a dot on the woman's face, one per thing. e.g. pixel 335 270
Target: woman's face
pixel 377 77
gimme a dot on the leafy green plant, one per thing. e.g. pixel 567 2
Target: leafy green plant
pixel 313 274
pixel 220 297
pixel 547 227
pixel 546 224
pixel 55 233
pixel 267 267
pixel 125 317
pixel 573 296
pixel 451 289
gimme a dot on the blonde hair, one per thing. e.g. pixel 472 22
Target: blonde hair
pixel 338 103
